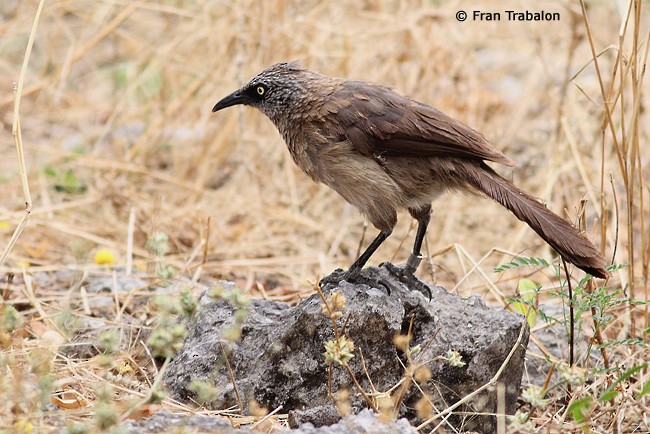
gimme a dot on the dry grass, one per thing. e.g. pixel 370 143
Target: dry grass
pixel 115 122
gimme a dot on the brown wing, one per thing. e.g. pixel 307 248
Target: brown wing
pixel 379 121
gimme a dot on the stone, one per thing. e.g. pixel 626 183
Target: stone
pixel 279 358
pixel 164 421
pixel 366 422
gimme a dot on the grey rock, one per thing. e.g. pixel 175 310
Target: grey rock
pixel 366 422
pixel 279 359
pixel 119 283
pixel 164 421
pixel 322 415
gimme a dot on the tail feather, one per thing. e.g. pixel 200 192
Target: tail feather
pixel 557 232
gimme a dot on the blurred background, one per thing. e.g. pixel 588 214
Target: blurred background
pixel 116 121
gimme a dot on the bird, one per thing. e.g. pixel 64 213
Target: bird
pixel 384 152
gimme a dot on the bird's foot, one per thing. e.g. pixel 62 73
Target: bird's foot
pixel 351 276
pixel 335 278
pixel 406 276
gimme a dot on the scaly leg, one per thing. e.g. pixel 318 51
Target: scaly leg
pixel 353 274
pixel 423 216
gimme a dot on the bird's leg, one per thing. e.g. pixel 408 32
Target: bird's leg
pixel 356 267
pixel 353 275
pixel 423 216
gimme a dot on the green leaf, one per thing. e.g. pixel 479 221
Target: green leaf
pixel 638 342
pixel 580 409
pixel 122 73
pixel 528 290
pixel 49 171
pixel 69 183
pixel 615 267
pixel 522 261
pixel 608 395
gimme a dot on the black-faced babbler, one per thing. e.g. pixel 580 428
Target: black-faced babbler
pixel 382 152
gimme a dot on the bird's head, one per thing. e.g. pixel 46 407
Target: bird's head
pixel 275 90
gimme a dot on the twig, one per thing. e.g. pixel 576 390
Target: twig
pixel 571 313
pixel 616 224
pixel 573 45
pixel 608 111
pixel 589 288
pixel 489 384
pixel 598 334
pixel 365 371
pixel 18 139
pixel 147 397
pixel 571 320
pixel 547 381
pixel 129 242
pixel 266 417
pixel 152 360
pixel 329 381
pixel 500 296
pixel 337 334
pixel 207 239
pixel 28 290
pixel 329 310
pixel 409 370
pixel 232 377
pixel 501 408
pixel 359 388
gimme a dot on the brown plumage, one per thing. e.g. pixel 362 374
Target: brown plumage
pixel 382 152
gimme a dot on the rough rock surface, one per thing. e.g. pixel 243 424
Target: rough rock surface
pixel 365 422
pixel 164 421
pixel 279 359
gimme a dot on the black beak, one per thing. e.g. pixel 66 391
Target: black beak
pixel 233 99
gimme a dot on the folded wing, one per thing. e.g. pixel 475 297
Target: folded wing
pixel 369 115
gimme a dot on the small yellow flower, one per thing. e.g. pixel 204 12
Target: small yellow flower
pixel 23 426
pixel 21 263
pixel 104 257
pixel 4 225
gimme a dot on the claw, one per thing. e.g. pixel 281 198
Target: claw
pixel 351 276
pixel 405 275
pixel 335 278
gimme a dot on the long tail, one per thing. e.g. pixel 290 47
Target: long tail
pixel 557 232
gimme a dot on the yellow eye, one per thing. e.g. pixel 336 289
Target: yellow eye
pixel 260 90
